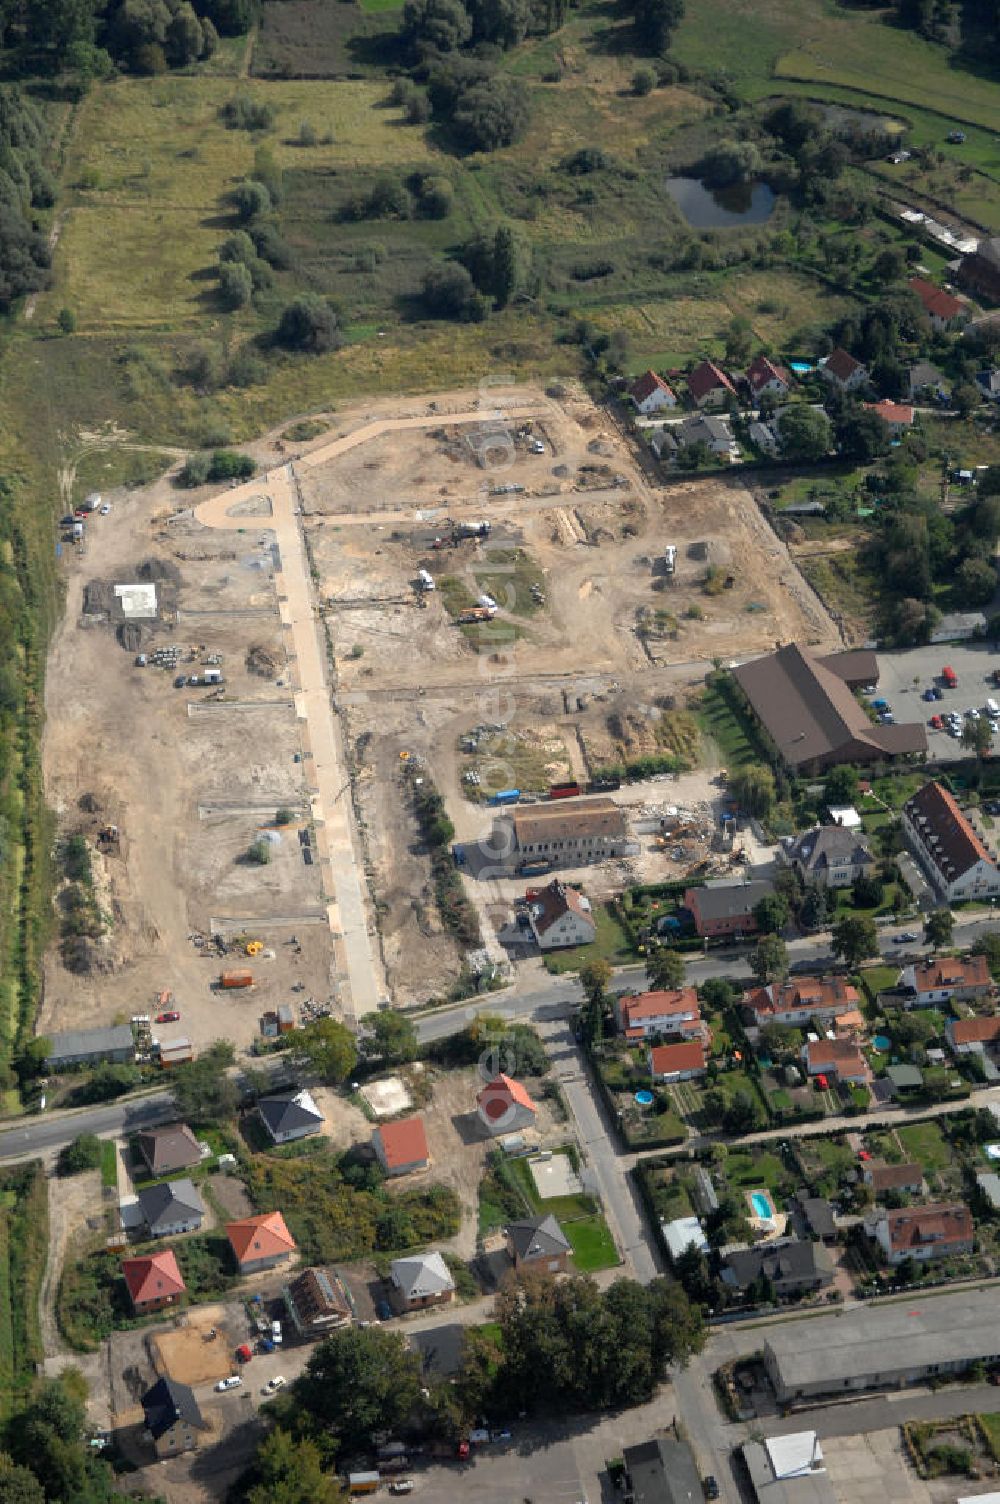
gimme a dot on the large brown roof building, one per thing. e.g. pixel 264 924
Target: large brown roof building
pixel 806 706
pixel 563 833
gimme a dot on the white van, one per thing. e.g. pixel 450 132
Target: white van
pixel 992 709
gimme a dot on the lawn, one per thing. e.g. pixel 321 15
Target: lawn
pixel 991 1430
pixel 612 944
pixel 24 1227
pixel 876 979
pixel 746 1169
pixel 730 734
pixel 109 1164
pixel 926 1143
pixel 592 1244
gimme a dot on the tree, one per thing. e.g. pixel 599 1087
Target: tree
pixel 203 1092
pixel 753 789
pixel 360 1382
pixel 939 928
pixel 437 197
pixel 595 978
pixel 508 265
pixel 643 82
pixel 740 1114
pixel 259 852
pixel 854 938
pixel 67 321
pixel 449 293
pixel 501 22
pixel 841 786
pixel 739 340
pixel 235 284
pixel 769 962
pixel 18 1485
pixel 814 907
pixel 867 891
pixel 308 323
pixel 391 1037
pixel 655 21
pixel 771 913
pixel 965 398
pixel 863 433
pixel 82 1153
pixel 328 1047
pixel 977 735
pixel 664 968
pixel 290 1470
pixel 492 114
pixel 731 161
pixel 436 25
pixel 977 581
pixel 251 199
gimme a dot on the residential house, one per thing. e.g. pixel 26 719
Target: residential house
pixel 167 1150
pixel 72 1047
pixel 421 1281
pixel 836 1057
pixel 944 978
pixel 925 1232
pixel 797 1003
pixel 316 1303
pixel 943 309
pixel 560 833
pixel 904 1078
pixel 709 386
pixel 764 378
pixel 260 1242
pixel 290 1116
pixel 678 1062
pixel 153 1281
pixel 715 433
pixel 683 1233
pixel 173 1418
pixel 883 1177
pixel 843 371
pixel 670 1011
pixel 561 916
pixel 988 1182
pixel 505 1106
pixel 959 626
pixel 980 270
pixel 793 1266
pixel 766 438
pixel 819 1216
pixel 988 383
pixel 662 1471
pixel 829 855
pixel 973 1036
pixel 788 1470
pixel 539 1243
pixel 850 1025
pixel 898 416
pixel 953 857
pixel 650 394
pixel 171 1207
pixel 401 1147
pixel 723 911
pixel 926 381
pixel 805 707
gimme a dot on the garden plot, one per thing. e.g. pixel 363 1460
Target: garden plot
pixel 555 1176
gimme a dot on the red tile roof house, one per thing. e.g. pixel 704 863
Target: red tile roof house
pixel 797 1003
pixel 925 1232
pixel 972 1036
pixel 897 415
pixel 763 376
pixel 560 916
pixel 650 393
pixel 939 981
pixel 677 1062
pixel 504 1106
pixel 401 1147
pixel 709 386
pixel 943 310
pixel 260 1242
pixel 836 1057
pixel 669 1012
pixel 947 847
pixel 844 371
pixel 883 1177
pixel 154 1281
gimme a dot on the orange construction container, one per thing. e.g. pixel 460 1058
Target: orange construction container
pixel 237 979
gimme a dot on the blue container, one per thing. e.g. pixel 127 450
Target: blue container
pixel 506 796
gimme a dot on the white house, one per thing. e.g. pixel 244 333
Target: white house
pixel 924 1232
pixel 944 978
pixel 766 378
pixel 650 394
pixel 843 371
pixel 290 1116
pixel 561 916
pixel 950 852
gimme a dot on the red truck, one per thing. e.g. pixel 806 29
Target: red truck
pixel 950 677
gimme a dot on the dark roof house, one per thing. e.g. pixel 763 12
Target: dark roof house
pixel 172 1416
pixel 812 718
pixel 170 1207
pixel 827 851
pixel 662 1471
pixel 290 1115
pixel 537 1240
pixel 169 1149
pixel 791 1265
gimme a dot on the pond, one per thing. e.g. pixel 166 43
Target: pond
pixel 717 208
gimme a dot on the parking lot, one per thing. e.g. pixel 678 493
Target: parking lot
pixel 903 678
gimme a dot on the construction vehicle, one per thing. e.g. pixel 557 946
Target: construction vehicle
pixel 254 947
pixel 471 530
pixel 477 613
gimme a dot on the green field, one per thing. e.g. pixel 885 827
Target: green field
pixel 925 1143
pixel 592 1244
pixel 24 1223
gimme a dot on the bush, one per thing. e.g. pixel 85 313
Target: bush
pixel 269 244
pixel 307 134
pixel 83 1153
pixel 229 464
pixel 284 815
pixel 235 284
pixel 259 851
pixel 251 199
pixel 246 114
pixel 308 323
pixel 437 197
pixel 450 293
pixel 643 82
pixel 492 114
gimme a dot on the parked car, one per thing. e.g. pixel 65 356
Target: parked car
pixel 273 1385
pixel 929 694
pixel 276 1332
pixel 711 1487
pixel 937 723
pixel 170 1017
pixel 401 1486
pixel 822 1084
pixel 233 1382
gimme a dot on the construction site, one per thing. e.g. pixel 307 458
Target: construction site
pixel 246 685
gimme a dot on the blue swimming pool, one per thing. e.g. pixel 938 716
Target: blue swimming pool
pixel 644 1098
pixel 763 1206
pixel 801 367
pixel 882 1041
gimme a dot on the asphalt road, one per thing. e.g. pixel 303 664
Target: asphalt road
pixel 41 1134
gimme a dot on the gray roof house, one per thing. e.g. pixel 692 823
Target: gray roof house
pixel 662 1471
pixel 423 1280
pixel 290 1115
pixel 922 375
pixel 90 1047
pixel 538 1240
pixel 167 1150
pixel 788 1470
pixel 172 1417
pixel 819 1217
pixel 989 1184
pixel 791 1266
pixel 173 1206
pixel 830 855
